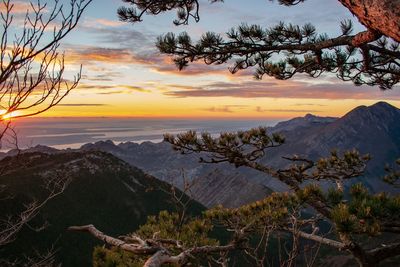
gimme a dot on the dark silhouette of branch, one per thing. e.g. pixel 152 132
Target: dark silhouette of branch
pixel 368 57
pixel 31 82
pixel 393 174
pixel 12 225
pixel 158 254
pixel 32 68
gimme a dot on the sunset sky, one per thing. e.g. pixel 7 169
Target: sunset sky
pixel 124 75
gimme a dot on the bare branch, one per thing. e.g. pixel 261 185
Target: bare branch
pixel 10 227
pixel 32 68
pixel 158 255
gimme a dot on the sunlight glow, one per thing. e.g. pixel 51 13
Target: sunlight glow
pixel 7 116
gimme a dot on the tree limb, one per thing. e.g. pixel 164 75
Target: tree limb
pixel 134 248
pixel 158 254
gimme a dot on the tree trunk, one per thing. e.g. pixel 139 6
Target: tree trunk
pixel 381 16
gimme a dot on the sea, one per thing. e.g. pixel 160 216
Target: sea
pixel 62 133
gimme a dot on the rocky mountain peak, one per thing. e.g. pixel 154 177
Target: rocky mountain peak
pixel 383 104
pixel 100 145
pixel 380 113
pixel 307 121
pixel 309 116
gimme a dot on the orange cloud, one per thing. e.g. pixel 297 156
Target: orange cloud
pixel 194 69
pixel 226 108
pixel 91 55
pixel 18 7
pixel 279 89
pixel 153 60
pixel 112 89
pixel 104 22
pixel 81 105
pixel 260 109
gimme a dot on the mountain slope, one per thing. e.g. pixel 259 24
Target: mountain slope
pixel 374 130
pixel 103 190
pixel 307 121
pixel 212 184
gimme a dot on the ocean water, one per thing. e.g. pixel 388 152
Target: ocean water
pixel 73 132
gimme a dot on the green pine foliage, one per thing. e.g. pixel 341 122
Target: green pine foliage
pixel 192 232
pixel 280 51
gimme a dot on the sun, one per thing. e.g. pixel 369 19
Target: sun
pixel 8 115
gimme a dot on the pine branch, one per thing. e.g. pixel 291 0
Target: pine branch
pixel 363 58
pixel 158 255
pixel 320 239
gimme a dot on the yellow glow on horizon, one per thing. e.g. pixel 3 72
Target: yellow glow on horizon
pixel 155 105
pixel 148 94
pixel 7 116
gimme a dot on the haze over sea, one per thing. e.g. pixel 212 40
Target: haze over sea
pixel 64 133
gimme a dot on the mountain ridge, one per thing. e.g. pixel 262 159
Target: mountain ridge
pixel 372 129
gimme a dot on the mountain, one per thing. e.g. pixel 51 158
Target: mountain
pixel 37 148
pixel 103 190
pixel 374 129
pixel 307 121
pixel 230 189
pixel 161 161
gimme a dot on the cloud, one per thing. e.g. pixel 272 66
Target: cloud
pixel 93 55
pixel 180 86
pixel 112 92
pixel 134 47
pixel 259 109
pixel 309 104
pixel 19 7
pixel 225 108
pixel 105 76
pixel 149 57
pixel 127 46
pixel 123 37
pixel 83 86
pixel 112 89
pixel 164 64
pixel 101 23
pixel 286 89
pixel 82 105
pixel 134 88
pixel 219 109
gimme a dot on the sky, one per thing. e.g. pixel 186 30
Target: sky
pixel 125 76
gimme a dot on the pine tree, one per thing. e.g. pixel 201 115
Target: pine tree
pixel 356 218
pixel 369 57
